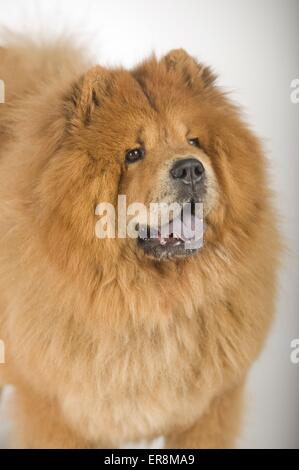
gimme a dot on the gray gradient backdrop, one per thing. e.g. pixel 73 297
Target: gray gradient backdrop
pixel 253 45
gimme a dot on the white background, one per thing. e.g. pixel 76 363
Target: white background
pixel 253 45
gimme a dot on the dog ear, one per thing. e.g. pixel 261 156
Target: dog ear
pixel 85 95
pixel 191 72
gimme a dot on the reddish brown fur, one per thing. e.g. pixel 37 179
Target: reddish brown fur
pixel 104 344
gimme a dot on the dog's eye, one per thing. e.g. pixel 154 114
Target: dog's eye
pixel 134 155
pixel 195 142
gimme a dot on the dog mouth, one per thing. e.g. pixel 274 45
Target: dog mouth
pixel 180 237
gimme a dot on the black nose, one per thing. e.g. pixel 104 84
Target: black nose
pixel 188 170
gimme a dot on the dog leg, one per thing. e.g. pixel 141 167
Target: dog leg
pixel 39 424
pixel 217 428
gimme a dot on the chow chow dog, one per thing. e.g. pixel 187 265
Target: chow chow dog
pixel 110 340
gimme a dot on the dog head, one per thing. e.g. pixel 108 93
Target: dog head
pixel 160 134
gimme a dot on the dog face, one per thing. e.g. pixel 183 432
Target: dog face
pixel 161 133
